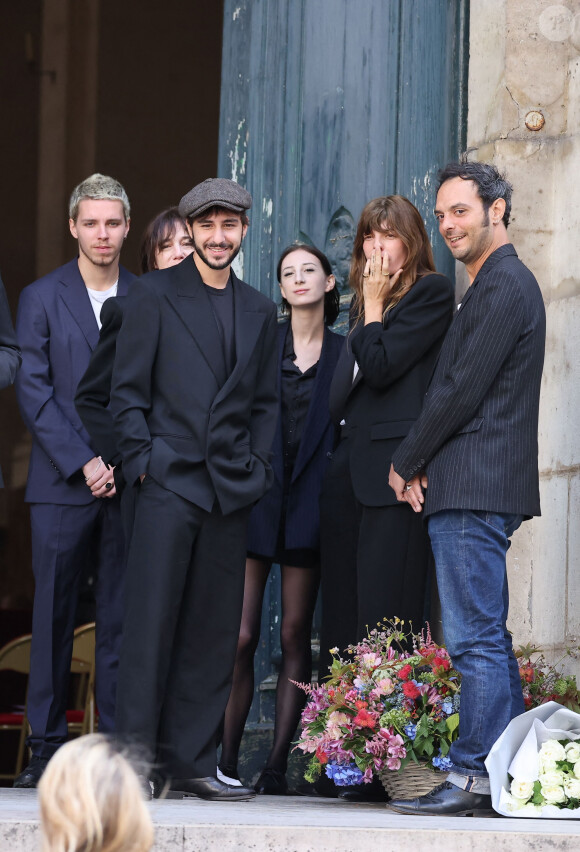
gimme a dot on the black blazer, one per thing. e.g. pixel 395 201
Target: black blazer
pixel 477 435
pixel 178 415
pixel 396 360
pixel 302 511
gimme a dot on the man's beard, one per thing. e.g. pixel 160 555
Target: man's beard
pixel 217 264
pixel 99 260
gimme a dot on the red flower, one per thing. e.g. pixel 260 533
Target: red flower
pixel 441 663
pixel 527 673
pixel 404 673
pixel 321 755
pixel 410 690
pixel 361 705
pixel 364 719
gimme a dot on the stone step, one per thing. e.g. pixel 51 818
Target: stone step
pixel 298 824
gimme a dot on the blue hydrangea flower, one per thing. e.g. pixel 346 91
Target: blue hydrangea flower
pixel 442 763
pixel 447 706
pixel 410 730
pixel 344 775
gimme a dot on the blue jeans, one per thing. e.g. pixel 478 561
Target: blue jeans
pixel 470 558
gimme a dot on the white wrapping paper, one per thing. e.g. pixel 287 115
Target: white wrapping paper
pixel 516 753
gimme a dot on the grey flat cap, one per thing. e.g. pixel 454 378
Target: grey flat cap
pixel 215 192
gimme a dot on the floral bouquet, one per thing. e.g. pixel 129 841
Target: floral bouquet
pixel 534 767
pixel 381 708
pixel 543 682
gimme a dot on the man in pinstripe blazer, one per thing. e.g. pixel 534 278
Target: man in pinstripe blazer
pixel 471 464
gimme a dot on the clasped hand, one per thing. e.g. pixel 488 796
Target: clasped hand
pixel 97 476
pixel 413 495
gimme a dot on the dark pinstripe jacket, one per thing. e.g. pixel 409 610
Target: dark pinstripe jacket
pixel 476 436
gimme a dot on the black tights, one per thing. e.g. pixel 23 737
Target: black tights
pixel 299 590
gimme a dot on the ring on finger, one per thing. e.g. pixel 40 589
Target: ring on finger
pixel 408 487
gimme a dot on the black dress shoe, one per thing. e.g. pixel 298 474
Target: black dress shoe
pixel 212 789
pixel 30 776
pixel 271 782
pixel 373 792
pixel 445 800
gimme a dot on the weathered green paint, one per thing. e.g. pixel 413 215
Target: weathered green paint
pixel 326 104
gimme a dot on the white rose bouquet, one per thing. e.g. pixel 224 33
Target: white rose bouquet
pixel 558 781
pixel 534 767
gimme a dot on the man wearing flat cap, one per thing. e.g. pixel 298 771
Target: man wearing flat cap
pixel 195 414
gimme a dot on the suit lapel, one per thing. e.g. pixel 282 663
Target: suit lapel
pixel 248 324
pixel 278 444
pixel 125 278
pixel 192 304
pixel 318 414
pixel 498 254
pixel 341 384
pixel 74 294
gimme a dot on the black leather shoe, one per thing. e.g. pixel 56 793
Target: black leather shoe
pixel 373 792
pixel 30 776
pixel 271 783
pixel 445 800
pixel 212 789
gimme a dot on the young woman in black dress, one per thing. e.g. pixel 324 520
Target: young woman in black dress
pixel 284 525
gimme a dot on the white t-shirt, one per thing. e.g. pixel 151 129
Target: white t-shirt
pixel 99 297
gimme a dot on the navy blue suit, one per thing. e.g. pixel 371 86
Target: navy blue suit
pixel 57 331
pixel 10 356
pixel 303 512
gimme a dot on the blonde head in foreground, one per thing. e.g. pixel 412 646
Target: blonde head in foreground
pixel 91 801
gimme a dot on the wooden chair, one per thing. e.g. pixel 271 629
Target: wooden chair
pixel 81 718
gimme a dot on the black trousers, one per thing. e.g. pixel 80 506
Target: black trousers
pixel 185 585
pixel 374 562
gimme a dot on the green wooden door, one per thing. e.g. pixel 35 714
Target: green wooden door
pixel 326 104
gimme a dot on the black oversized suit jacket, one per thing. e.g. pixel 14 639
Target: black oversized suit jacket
pixel 477 433
pixel 396 360
pixel 179 417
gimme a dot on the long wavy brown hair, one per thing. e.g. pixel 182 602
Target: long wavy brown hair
pixel 391 213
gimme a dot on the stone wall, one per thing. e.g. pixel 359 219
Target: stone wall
pixel 525 74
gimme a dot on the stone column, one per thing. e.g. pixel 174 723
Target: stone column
pixel 523 114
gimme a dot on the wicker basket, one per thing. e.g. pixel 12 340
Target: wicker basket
pixel 415 779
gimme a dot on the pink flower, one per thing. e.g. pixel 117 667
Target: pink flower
pixel 384 686
pixel 396 747
pixel 393 763
pixel 367 775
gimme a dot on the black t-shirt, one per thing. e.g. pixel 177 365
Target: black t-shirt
pixel 222 302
